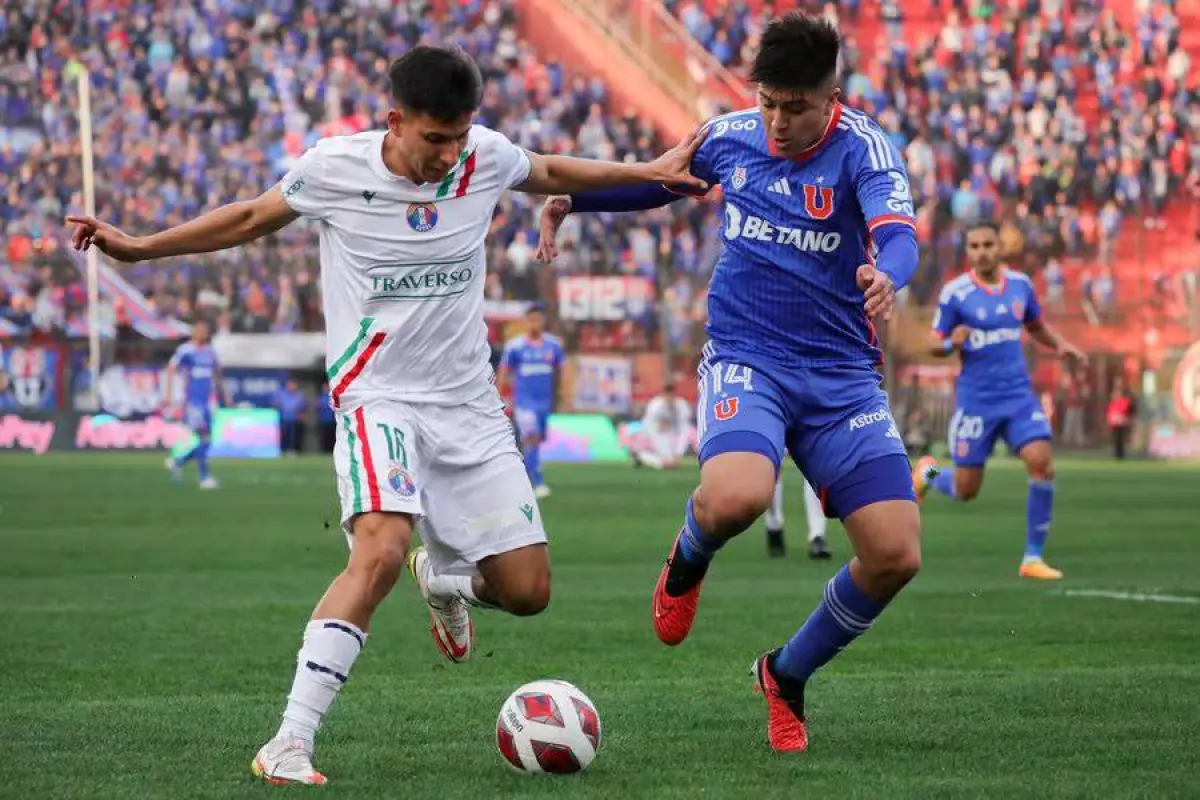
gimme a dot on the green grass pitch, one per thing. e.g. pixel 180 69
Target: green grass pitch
pixel 149 634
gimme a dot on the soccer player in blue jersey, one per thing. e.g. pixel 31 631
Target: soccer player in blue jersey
pixel 979 318
pixel 819 234
pixel 196 362
pixel 531 362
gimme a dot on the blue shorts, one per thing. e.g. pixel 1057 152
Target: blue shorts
pixel 198 419
pixel 834 422
pixel 532 422
pixel 977 424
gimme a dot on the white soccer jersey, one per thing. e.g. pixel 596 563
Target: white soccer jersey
pixel 402 266
pixel 668 417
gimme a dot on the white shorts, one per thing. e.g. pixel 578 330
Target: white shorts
pixel 456 469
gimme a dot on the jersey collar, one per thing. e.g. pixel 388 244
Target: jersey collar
pixel 990 288
pixel 816 146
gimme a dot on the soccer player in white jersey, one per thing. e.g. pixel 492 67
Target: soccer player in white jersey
pixel 423 440
pixel 668 422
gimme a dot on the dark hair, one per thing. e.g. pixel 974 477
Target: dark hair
pixel 796 52
pixel 443 82
pixel 983 224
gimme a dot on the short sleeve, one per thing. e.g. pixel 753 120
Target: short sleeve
pixel 182 357
pixel 512 162
pixel 509 359
pixel 306 186
pixel 1033 309
pixel 881 181
pixel 945 318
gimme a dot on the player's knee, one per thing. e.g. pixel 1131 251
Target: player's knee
pixel 732 506
pixel 1042 470
pixel 381 545
pixel 896 566
pixel 528 596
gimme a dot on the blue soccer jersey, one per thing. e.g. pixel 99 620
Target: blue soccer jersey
pixel 796 230
pixel 533 365
pixel 994 393
pixel 198 367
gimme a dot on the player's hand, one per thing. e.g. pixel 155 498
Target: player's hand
pixel 111 240
pixel 674 167
pixel 1069 351
pixel 879 291
pixel 959 337
pixel 554 212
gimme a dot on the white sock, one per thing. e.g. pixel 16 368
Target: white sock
pixel 775 511
pixel 323 665
pixel 461 585
pixel 814 512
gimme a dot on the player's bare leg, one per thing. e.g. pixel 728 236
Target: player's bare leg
pixel 332 641
pixel 957 483
pixel 735 489
pixel 517 582
pixel 1039 464
pixel 886 538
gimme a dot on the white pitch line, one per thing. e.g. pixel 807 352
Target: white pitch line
pixel 1137 597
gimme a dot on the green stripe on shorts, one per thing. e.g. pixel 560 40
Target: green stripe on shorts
pixel 352 441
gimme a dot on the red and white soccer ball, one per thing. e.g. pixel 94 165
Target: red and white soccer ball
pixel 548 726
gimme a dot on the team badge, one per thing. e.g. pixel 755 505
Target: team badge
pixel 818 201
pixel 981 313
pixel 401 480
pixel 726 409
pixel 422 217
pixel 1018 309
pixel 739 178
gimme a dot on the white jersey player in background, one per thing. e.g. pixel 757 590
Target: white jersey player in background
pixel 814 513
pixel 422 435
pixel 668 423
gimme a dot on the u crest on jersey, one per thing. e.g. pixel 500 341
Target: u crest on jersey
pixel 818 201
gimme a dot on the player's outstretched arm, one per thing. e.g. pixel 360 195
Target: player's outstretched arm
pixel 565 175
pixel 228 226
pixel 1047 336
pixel 640 197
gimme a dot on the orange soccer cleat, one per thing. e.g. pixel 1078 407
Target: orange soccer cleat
pixel 674 613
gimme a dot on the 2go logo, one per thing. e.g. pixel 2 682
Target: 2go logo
pixel 900 198
pixel 725 126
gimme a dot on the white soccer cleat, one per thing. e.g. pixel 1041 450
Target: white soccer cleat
pixel 284 761
pixel 210 483
pixel 173 467
pixel 450 620
pixel 541 492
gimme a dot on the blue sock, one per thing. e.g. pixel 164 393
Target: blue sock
pixel 944 482
pixel 1038 510
pixel 844 614
pixel 696 547
pixel 533 464
pixel 201 452
pixel 188 456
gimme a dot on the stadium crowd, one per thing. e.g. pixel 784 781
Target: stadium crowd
pixel 206 103
pixel 1044 112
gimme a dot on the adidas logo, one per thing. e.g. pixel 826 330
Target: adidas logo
pixel 780 187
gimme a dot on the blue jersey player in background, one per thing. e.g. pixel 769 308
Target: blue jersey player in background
pixel 980 317
pixel 819 234
pixel 196 362
pixel 530 365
